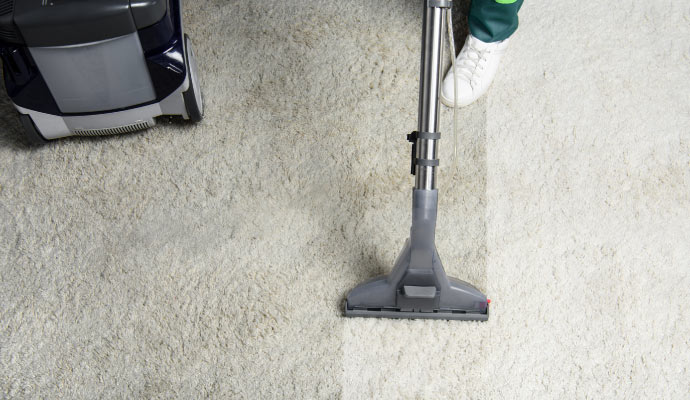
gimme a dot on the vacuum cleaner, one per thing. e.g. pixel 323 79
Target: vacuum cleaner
pixel 418 286
pixel 86 68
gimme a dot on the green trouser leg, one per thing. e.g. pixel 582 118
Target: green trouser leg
pixel 493 20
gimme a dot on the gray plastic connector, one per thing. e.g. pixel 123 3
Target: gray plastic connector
pixel 439 3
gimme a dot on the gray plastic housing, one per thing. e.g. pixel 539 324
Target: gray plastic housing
pixel 107 75
pixel 148 12
pixel 68 22
pixel 418 286
pixel 56 126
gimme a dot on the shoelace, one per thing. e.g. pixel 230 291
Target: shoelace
pixel 471 59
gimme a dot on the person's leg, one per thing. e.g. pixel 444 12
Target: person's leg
pixel 491 23
pixel 493 20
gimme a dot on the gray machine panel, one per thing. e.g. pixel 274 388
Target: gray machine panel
pixel 148 12
pixel 94 77
pixel 66 22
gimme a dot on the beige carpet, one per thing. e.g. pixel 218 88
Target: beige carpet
pixel 213 260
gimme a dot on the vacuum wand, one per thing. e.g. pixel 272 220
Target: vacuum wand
pixel 425 148
pixel 418 286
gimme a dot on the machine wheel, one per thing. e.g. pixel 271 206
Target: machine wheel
pixel 31 133
pixel 193 101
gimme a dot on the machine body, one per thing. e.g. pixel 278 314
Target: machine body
pixel 80 67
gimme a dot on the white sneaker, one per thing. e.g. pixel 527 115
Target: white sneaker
pixel 476 65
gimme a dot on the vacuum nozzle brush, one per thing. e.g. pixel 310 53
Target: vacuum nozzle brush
pixel 478 311
pixel 418 286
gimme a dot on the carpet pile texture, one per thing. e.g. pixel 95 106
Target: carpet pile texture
pixel 214 259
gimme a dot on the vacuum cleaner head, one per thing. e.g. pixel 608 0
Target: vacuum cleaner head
pixel 75 67
pixel 418 286
pixel 417 302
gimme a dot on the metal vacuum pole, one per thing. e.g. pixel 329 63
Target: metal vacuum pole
pixel 418 286
pixel 429 86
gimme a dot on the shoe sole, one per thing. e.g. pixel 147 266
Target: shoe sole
pixel 450 103
pixel 446 102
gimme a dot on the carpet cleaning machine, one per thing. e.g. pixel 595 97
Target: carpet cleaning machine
pixel 86 67
pixel 418 286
